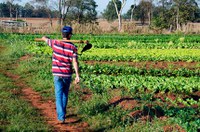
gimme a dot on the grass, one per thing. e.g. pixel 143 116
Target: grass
pixel 15 113
pixel 37 73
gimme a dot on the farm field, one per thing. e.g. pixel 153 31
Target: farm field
pixel 128 82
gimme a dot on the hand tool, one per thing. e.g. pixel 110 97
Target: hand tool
pixel 86 47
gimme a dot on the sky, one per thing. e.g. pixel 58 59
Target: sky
pixel 101 4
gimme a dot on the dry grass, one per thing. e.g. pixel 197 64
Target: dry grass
pixel 44 25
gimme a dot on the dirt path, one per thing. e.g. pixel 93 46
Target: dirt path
pixel 47 108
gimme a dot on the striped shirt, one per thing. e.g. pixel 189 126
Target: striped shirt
pixel 63 53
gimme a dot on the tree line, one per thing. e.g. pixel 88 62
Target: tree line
pixel 162 14
pixel 170 14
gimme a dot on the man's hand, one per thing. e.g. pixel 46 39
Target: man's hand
pixel 77 79
pixel 75 63
pixel 86 42
pixel 45 38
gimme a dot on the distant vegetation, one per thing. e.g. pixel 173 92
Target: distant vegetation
pixel 162 14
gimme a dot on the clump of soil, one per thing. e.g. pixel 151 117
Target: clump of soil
pixel 151 64
pixel 126 103
pixel 173 128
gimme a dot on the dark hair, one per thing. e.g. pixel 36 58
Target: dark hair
pixel 65 35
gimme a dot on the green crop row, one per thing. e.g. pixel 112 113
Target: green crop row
pixel 122 41
pixel 112 38
pixel 143 41
pixel 142 55
pixel 130 54
pixel 141 38
pixel 127 70
pixel 98 83
pixel 40 50
pixel 139 45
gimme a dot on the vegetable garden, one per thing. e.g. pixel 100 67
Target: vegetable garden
pixel 128 82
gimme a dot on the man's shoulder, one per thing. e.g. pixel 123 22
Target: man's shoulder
pixel 70 44
pixel 64 44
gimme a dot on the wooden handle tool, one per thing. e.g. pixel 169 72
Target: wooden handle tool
pixel 73 41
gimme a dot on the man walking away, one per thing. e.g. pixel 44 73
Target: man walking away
pixel 64 55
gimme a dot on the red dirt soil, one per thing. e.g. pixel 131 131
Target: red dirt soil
pixel 126 103
pixel 175 128
pixel 151 64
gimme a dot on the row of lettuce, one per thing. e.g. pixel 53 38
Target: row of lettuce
pixel 97 54
pixel 138 84
pixel 117 70
pixel 151 38
pixel 124 41
pixel 188 55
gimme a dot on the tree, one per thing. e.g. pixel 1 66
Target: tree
pixel 183 11
pixel 132 9
pixel 130 13
pixel 4 10
pixel 114 11
pixel 173 14
pixel 28 10
pixel 7 11
pixel 162 14
pixel 46 7
pixel 17 10
pixel 10 2
pixel 145 8
pixel 40 11
pixel 119 12
pixel 110 12
pixel 63 8
pixel 82 11
pixel 196 15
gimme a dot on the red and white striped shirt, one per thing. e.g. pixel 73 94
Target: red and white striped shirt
pixel 62 57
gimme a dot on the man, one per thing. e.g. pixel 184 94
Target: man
pixel 64 55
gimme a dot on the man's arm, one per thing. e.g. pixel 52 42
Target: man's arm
pixel 44 38
pixel 48 40
pixel 75 64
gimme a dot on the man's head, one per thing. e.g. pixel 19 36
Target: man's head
pixel 67 32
